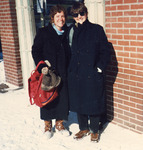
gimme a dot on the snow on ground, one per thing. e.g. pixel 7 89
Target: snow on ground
pixel 22 129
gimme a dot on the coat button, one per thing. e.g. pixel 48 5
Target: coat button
pixel 78 52
pixel 88 77
pixel 78 63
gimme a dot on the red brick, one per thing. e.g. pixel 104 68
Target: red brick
pixel 130 13
pixel 140 84
pixel 137 19
pixel 136 43
pixel 136 67
pixel 130 83
pixel 110 8
pixel 124 65
pixel 124 43
pixel 139 73
pixel 123 7
pixel 129 114
pixel 137 122
pixel 136 55
pixel 117 36
pixel 135 89
pixel 129 124
pixel 111 30
pixel 140 12
pixel 123 19
pixel 123 117
pixel 127 71
pixel 130 49
pixel 117 25
pixel 135 78
pixel 130 37
pixel 118 110
pixel 139 49
pixel 139 107
pixel 140 25
pixel 140 37
pixel 123 76
pixel 140 61
pixel 130 1
pixel 137 6
pixel 117 14
pixel 111 19
pixel 123 31
pixel 116 1
pixel 135 100
pixel 122 97
pixel 129 93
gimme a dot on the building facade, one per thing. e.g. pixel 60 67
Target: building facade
pixel 123 24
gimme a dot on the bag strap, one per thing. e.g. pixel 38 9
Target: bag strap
pixel 71 36
pixel 40 62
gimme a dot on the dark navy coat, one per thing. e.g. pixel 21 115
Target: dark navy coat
pixel 89 51
pixel 48 45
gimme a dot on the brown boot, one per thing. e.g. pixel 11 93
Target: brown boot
pixel 60 128
pixel 48 126
pixel 81 134
pixel 48 129
pixel 95 137
pixel 59 125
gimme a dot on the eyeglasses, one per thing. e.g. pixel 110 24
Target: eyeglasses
pixel 81 14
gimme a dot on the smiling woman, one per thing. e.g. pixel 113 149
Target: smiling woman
pixel 51 45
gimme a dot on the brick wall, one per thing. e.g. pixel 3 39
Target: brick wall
pixel 10 42
pixel 124 28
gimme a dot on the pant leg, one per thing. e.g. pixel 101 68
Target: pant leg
pixel 94 123
pixel 83 121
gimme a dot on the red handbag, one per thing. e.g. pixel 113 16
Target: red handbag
pixel 36 94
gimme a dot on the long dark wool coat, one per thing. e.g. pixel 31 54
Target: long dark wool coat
pixel 89 50
pixel 48 45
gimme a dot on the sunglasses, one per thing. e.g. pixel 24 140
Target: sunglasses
pixel 81 14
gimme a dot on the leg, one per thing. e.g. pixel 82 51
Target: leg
pixel 83 121
pixel 83 126
pixel 94 127
pixel 94 123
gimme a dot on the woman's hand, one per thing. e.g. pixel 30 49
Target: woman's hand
pixel 45 70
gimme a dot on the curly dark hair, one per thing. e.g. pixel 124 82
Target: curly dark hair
pixel 57 9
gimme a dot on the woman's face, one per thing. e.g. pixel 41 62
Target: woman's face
pixel 80 17
pixel 59 20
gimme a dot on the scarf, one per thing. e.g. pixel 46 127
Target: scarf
pixel 58 32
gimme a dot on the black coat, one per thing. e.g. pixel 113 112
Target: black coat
pixel 89 51
pixel 48 45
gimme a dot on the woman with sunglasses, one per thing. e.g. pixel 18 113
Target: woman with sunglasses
pixel 50 45
pixel 90 55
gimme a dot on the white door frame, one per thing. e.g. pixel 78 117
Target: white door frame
pixel 96 11
pixel 26 31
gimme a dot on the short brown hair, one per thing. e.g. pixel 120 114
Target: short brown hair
pixel 78 7
pixel 57 9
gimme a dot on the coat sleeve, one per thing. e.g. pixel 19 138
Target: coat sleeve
pixel 37 49
pixel 104 52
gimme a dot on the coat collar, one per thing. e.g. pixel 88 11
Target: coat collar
pixel 78 25
pixel 52 31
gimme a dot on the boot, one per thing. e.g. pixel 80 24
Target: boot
pixel 60 128
pixel 94 137
pixel 48 129
pixel 81 134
